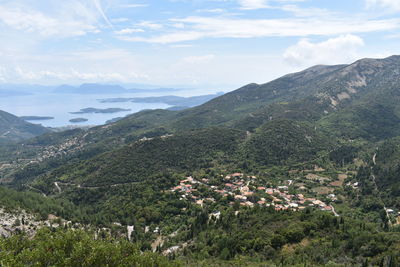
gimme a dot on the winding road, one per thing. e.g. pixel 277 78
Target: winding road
pixel 376 188
pixel 35 189
pixel 57 184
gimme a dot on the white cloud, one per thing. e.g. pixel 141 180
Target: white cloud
pixel 307 12
pixel 393 5
pixel 198 59
pixel 220 27
pixel 133 5
pixel 128 31
pixel 181 45
pixel 118 20
pixel 214 10
pixel 104 65
pixel 258 4
pixel 342 49
pixel 253 4
pixel 74 19
pixel 151 25
pixel 74 75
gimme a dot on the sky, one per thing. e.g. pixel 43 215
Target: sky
pixel 196 43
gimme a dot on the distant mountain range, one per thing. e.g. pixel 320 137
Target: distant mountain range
pixel 330 105
pixel 86 88
pixel 326 139
pixel 170 100
pixel 93 88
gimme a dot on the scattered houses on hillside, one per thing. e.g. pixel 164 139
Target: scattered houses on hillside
pixel 244 189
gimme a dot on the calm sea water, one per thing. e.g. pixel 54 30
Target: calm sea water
pixel 59 106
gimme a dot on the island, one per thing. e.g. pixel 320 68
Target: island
pixel 36 118
pixel 78 120
pixel 178 101
pixel 99 110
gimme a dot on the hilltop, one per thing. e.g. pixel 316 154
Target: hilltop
pixel 268 171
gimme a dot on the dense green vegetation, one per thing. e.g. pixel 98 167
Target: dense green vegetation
pixel 13 128
pixel 141 160
pixel 371 121
pixel 37 204
pixel 285 142
pixel 74 248
pixel 329 134
pixel 292 239
pixel 385 171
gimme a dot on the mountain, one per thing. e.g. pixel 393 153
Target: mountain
pixel 298 171
pixel 170 100
pixel 91 88
pixel 346 102
pixel 94 88
pixel 322 88
pixel 14 129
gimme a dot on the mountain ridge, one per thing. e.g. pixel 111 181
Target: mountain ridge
pixel 287 172
pixel 14 129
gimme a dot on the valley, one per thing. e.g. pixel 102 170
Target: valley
pixel 298 171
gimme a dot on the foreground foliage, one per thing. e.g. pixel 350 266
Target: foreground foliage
pixel 74 248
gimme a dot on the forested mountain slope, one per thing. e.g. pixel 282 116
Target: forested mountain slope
pixel 300 170
pixel 13 129
pixel 333 87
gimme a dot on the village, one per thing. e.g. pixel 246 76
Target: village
pixel 247 191
pixel 43 153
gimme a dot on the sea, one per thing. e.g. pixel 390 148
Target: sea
pixel 59 106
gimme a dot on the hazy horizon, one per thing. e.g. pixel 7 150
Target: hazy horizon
pixel 196 44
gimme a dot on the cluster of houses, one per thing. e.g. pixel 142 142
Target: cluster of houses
pixel 69 146
pixel 244 190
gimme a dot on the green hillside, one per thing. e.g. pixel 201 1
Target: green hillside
pixel 143 159
pixel 14 129
pixel 285 142
pixel 300 171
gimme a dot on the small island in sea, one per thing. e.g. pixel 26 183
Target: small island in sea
pixel 36 118
pixel 99 110
pixel 78 120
